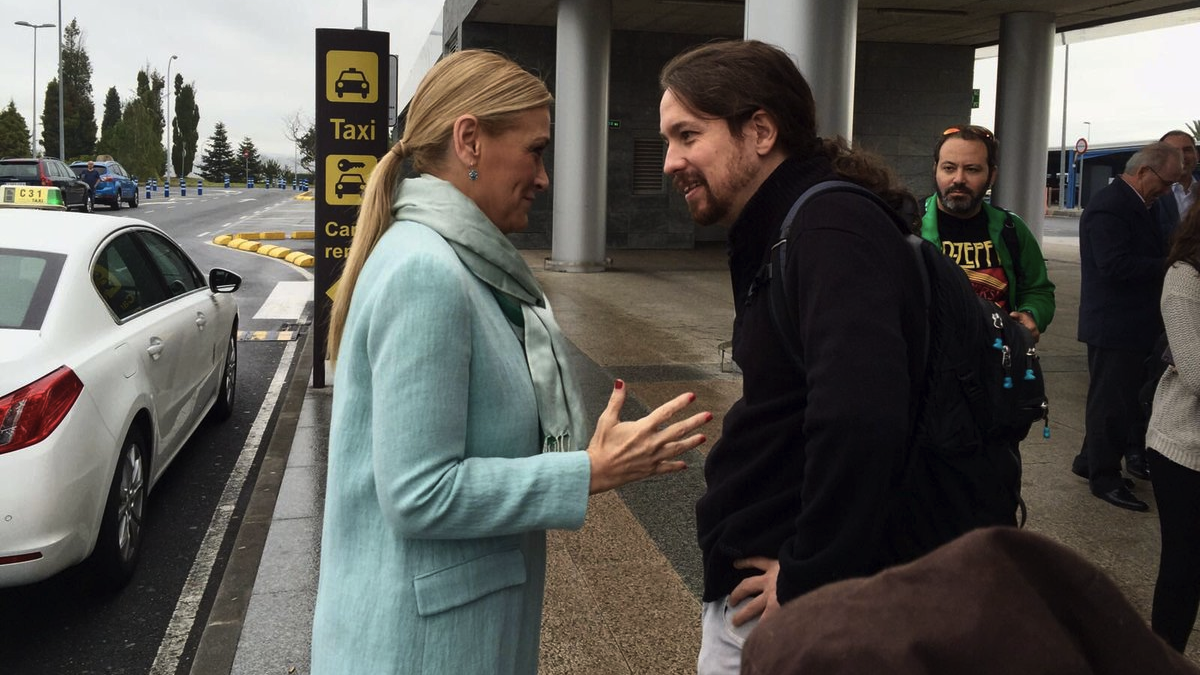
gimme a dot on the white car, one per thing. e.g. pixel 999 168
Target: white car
pixel 113 348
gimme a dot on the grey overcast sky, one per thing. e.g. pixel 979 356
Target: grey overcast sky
pixel 251 61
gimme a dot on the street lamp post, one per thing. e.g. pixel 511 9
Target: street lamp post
pixel 1087 136
pixel 168 87
pixel 35 27
pixel 62 136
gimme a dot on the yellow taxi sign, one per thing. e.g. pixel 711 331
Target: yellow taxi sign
pixel 31 196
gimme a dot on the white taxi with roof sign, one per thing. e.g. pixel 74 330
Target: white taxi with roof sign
pixel 113 348
pixel 31 196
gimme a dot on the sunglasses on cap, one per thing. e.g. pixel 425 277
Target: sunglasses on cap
pixel 972 128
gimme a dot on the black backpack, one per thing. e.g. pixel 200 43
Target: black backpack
pixel 981 393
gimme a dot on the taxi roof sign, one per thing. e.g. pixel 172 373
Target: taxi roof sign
pixel 31 196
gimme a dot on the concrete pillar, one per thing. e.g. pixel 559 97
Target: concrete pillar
pixel 581 136
pixel 821 36
pixel 1023 114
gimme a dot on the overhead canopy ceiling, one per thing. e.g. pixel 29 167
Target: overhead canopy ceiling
pixel 959 22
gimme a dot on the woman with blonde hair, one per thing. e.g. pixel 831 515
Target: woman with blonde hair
pixel 458 436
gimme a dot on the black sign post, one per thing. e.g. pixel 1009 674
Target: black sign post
pixel 352 134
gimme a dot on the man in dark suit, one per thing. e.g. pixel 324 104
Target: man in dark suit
pixel 1122 255
pixel 1182 196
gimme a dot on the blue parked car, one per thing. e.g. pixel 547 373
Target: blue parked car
pixel 115 185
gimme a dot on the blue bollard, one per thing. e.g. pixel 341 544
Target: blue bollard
pixel 166 187
pixel 249 182
pixel 182 187
pixel 152 184
pixel 199 187
pixel 267 183
pixel 304 184
pixel 226 181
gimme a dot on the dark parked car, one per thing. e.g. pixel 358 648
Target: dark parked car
pixel 49 172
pixel 115 185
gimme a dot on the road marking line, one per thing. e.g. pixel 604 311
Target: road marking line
pixel 286 301
pixel 184 618
pixel 203 235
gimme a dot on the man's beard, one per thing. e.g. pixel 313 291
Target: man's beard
pixel 960 203
pixel 716 208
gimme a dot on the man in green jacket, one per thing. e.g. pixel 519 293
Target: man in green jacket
pixel 994 247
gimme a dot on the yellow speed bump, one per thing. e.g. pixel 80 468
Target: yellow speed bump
pixel 272 235
pixel 280 252
pixel 251 246
pixel 266 249
pixel 251 236
pixel 222 239
pixel 303 234
pixel 299 259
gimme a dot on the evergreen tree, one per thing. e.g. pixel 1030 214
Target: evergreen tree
pixel 185 128
pixel 218 159
pixel 272 170
pixel 14 134
pixel 136 144
pixel 79 111
pixel 112 112
pixel 246 156
pixel 150 86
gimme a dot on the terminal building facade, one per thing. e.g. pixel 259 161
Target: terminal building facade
pixel 890 76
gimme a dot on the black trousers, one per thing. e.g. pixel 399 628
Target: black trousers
pixel 1112 412
pixel 1177 590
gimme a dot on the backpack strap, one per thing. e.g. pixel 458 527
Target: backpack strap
pixel 776 263
pixel 1009 234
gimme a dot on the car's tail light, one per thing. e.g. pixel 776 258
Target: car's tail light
pixel 33 412
pixel 107 179
pixel 43 177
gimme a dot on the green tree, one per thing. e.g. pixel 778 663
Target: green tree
pixel 246 158
pixel 79 112
pixel 218 158
pixel 135 142
pixel 1194 127
pixel 112 115
pixel 14 133
pixel 149 91
pixel 272 170
pixel 184 128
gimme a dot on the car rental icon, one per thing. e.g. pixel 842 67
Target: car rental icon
pixel 349 184
pixel 351 80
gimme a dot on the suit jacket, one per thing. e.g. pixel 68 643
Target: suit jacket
pixel 433 552
pixel 1122 260
pixel 1168 217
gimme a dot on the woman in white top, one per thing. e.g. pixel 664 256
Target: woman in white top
pixel 1173 441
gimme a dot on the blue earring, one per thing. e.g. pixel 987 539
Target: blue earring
pixel 473 174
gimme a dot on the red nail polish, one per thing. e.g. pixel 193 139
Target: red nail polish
pixel 691 397
pixel 708 417
pixel 619 384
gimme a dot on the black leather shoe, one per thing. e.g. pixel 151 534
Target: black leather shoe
pixel 1123 498
pixel 1082 473
pixel 1137 467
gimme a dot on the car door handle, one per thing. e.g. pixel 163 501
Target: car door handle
pixel 156 348
pixel 201 320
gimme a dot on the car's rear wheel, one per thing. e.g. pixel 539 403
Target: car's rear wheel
pixel 133 201
pixel 119 544
pixel 89 203
pixel 116 202
pixel 223 407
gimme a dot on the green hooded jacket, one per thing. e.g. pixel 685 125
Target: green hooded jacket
pixel 1037 295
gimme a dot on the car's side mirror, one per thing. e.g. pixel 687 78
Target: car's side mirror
pixel 223 281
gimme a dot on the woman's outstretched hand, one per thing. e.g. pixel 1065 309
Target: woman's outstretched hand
pixel 623 452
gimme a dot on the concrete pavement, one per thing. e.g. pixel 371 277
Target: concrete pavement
pixel 622 593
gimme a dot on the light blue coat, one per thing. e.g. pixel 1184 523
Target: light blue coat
pixel 433 553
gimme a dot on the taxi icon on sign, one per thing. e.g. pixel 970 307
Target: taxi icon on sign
pixel 352 80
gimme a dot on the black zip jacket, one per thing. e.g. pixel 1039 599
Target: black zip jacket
pixel 808 457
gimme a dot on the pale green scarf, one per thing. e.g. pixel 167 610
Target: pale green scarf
pixel 491 257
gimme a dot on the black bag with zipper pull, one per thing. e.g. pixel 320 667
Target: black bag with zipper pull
pixel 981 392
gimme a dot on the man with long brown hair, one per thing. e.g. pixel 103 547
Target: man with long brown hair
pixel 798 486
